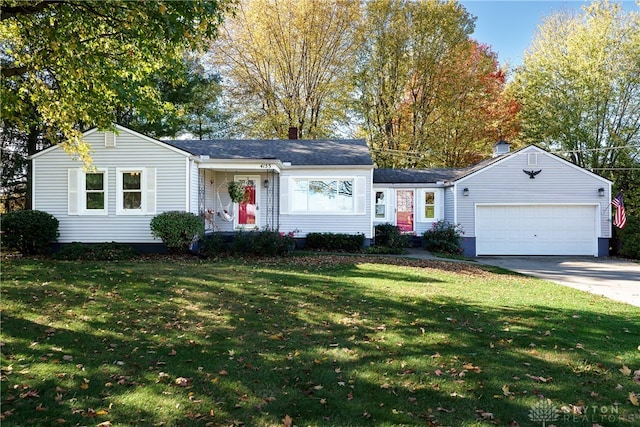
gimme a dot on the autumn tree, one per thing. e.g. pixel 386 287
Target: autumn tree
pixel 430 96
pixel 579 87
pixel 286 63
pixel 78 62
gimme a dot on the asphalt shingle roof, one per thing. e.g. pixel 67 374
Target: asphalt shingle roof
pixel 304 152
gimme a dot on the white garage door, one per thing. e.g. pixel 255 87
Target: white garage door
pixel 536 230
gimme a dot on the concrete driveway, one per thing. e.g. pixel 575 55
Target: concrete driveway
pixel 613 278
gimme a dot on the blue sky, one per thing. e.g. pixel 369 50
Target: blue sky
pixel 508 26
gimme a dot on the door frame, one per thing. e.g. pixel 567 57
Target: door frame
pixel 236 208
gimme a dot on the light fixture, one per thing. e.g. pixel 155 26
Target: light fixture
pixel 465 192
pixel 266 183
pixel 601 192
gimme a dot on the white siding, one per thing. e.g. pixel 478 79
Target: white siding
pixel 504 182
pixel 328 223
pixel 420 225
pixel 50 171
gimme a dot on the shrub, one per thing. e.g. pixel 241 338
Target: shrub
pixel 389 239
pixel 96 252
pixel 627 240
pixel 177 229
pixel 213 244
pixel 443 237
pixel 335 242
pixel 262 243
pixel 31 232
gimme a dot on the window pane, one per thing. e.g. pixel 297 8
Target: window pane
pixel 299 202
pixel 429 212
pixel 380 204
pixel 95 200
pixel 322 195
pixel 345 196
pixel 132 200
pixel 131 181
pixel 429 198
pixel 95 181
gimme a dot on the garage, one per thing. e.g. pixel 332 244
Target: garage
pixel 551 229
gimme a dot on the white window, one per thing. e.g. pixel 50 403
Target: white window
pixel 87 192
pixel 429 205
pixel 135 191
pixel 323 195
pixel 380 207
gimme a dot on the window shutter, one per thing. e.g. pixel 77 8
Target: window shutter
pixel 109 140
pixel 361 195
pixel 150 190
pixel 73 192
pixel 284 195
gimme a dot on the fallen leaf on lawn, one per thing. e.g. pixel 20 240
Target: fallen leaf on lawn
pixel 67 357
pixel 182 382
pixel 580 346
pixel 323 401
pixel 539 379
pixel 105 424
pixel 470 367
pixel 625 370
pixel 448 411
pixel 29 393
pixel 634 399
pixel 41 408
pixel 505 390
pixel 287 421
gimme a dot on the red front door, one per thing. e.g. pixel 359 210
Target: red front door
pixel 404 210
pixel 248 209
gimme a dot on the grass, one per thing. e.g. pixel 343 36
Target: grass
pixel 309 341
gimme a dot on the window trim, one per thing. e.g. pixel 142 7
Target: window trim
pixel 120 210
pixel 354 196
pixel 387 201
pixel 82 193
pixel 437 204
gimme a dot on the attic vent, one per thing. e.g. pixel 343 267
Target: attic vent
pixel 532 159
pixel 109 140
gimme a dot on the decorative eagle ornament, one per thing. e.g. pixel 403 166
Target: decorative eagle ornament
pixel 532 174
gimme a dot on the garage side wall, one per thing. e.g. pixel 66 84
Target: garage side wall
pixel 557 183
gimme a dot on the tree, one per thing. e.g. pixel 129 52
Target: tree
pixel 191 96
pixel 579 87
pixel 79 62
pixel 286 63
pixel 430 96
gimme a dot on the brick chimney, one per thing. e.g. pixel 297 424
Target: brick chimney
pixel 293 132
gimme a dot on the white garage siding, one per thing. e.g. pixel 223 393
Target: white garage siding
pixel 505 183
pixel 536 229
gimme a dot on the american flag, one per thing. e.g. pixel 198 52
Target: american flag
pixel 620 219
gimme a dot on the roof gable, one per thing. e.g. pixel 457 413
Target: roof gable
pixel 119 129
pixel 489 163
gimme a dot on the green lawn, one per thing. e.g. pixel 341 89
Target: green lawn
pixel 309 341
